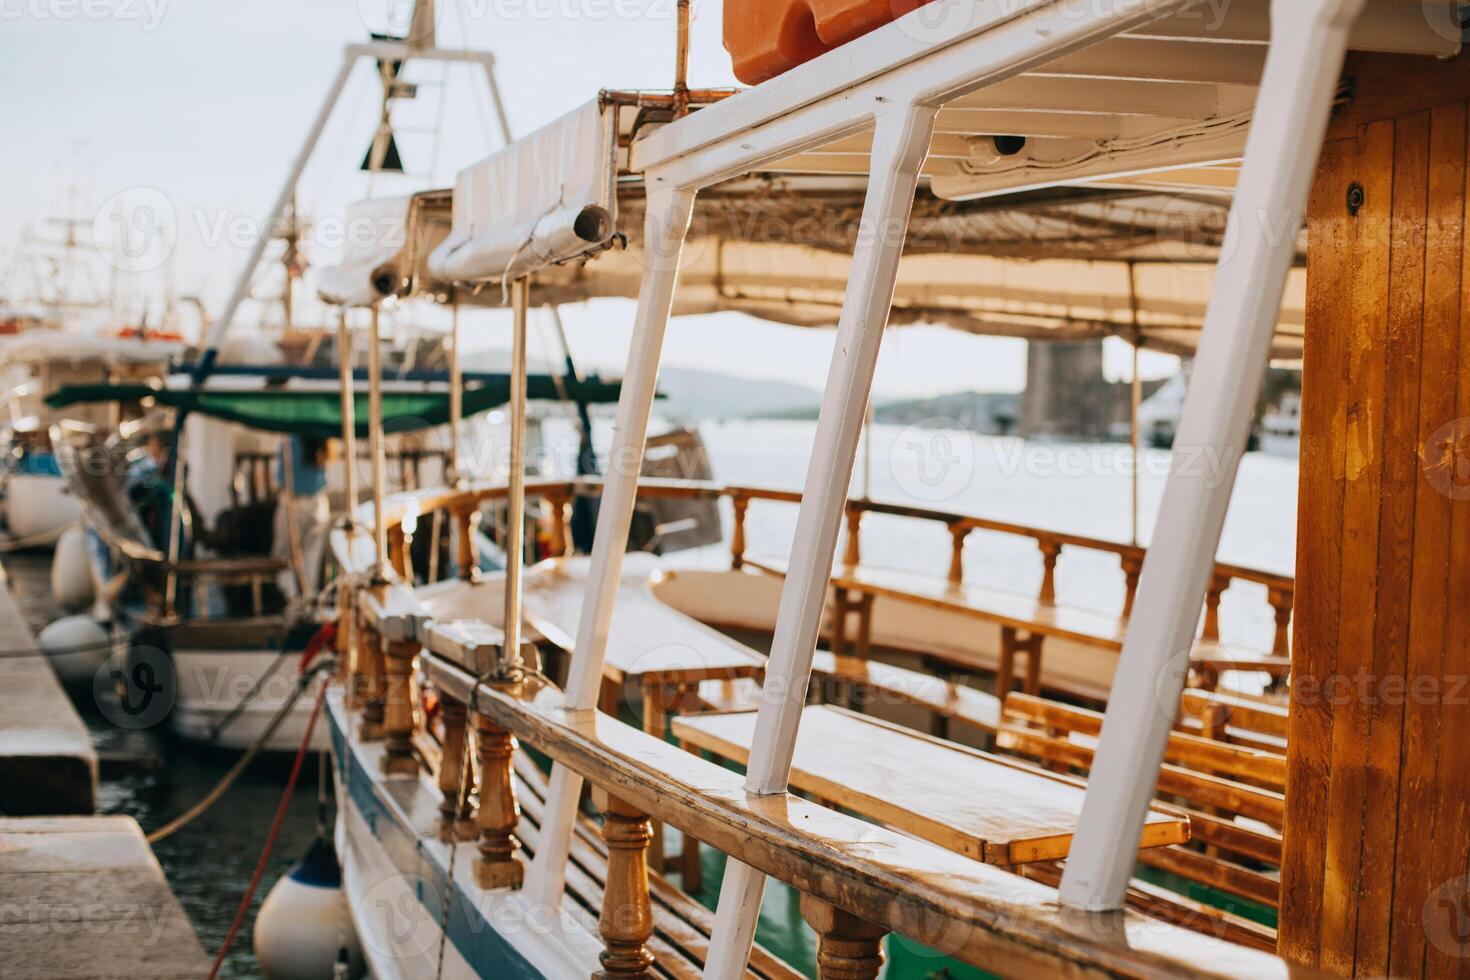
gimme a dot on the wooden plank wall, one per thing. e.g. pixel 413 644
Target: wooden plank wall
pixel 1377 836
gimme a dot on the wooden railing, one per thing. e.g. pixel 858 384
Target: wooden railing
pixel 1050 544
pixel 858 881
pixel 464 505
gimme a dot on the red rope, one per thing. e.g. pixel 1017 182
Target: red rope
pixel 270 839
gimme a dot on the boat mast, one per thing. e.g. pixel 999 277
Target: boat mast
pixel 420 45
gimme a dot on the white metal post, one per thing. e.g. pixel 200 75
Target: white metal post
pixel 349 415
pixel 515 493
pixel 456 391
pixel 375 444
pixel 665 226
pixel 283 200
pixel 900 143
pixel 1308 42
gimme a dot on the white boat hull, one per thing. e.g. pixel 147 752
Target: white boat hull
pixel 211 683
pixel 38 509
pixel 394 874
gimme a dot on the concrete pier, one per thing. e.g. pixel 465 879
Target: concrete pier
pixel 47 762
pixel 83 898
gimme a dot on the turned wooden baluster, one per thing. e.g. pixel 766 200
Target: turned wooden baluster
pixel 958 532
pixel 454 809
pixel 345 645
pixel 1132 569
pixel 854 526
pixel 398 542
pixel 1218 585
pixel 465 557
pixel 1281 602
pixel 626 922
pixel 1050 551
pixel 370 682
pixel 498 866
pixel 398 757
pixel 848 948
pixel 558 530
pixel 737 538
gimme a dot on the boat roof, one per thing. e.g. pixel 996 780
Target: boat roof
pixel 1087 197
pixel 317 411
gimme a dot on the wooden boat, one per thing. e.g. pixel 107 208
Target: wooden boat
pixel 474 709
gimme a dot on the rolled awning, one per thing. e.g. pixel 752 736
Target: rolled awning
pixel 541 200
pixel 387 242
pixel 318 412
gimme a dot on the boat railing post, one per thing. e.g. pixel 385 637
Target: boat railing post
pixel 456 394
pixel 455 823
pixel 847 946
pixel 1303 64
pixel 739 503
pixel 349 418
pixel 515 494
pixel 900 144
pixel 375 445
pixel 398 754
pixel 666 224
pixel 498 865
pixel 466 520
pixel 626 920
pixel 369 679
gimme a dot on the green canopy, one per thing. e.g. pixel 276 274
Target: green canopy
pixel 319 413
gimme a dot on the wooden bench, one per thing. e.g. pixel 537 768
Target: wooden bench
pixel 1237 719
pixel 1232 793
pixel 857 681
pixel 973 803
pixel 1025 622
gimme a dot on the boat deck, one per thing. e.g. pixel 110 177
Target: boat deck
pixel 85 898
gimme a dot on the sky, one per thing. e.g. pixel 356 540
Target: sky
pixel 197 107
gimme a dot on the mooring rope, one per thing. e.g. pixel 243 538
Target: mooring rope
pixel 212 797
pixel 270 840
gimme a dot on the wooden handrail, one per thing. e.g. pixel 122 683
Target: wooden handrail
pixel 980 915
pixel 468 498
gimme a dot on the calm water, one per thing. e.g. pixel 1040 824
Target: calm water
pixel 1080 489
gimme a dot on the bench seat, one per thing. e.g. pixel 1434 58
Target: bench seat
pixel 1021 614
pixel 1232 793
pixel 946 698
pixel 970 802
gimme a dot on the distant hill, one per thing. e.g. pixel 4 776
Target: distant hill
pixel 978 411
pixel 691 395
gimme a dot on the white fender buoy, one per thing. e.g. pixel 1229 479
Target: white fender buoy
pixel 303 922
pixel 77 647
pixel 71 571
pixel 38 509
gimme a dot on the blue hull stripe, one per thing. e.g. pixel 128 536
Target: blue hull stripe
pixel 487 952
